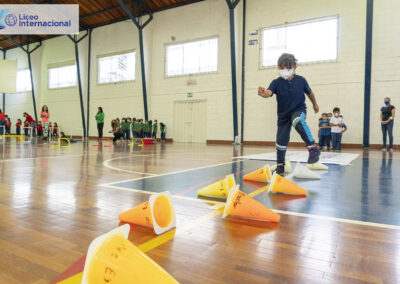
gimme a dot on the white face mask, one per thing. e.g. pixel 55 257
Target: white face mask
pixel 286 73
pixel 336 115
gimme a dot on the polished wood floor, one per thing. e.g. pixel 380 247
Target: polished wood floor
pixel 53 202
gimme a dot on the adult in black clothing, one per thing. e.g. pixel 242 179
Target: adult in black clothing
pixel 387 121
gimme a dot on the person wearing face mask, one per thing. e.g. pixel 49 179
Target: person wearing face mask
pixel 387 116
pixel 290 89
pixel 336 130
pixel 324 128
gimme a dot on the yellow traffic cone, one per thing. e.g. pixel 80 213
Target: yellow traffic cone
pixel 262 175
pixel 280 184
pixel 157 213
pixel 218 189
pixel 111 258
pixel 242 205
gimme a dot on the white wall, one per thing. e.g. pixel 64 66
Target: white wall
pixel 120 99
pixel 385 64
pixel 334 84
pixel 197 21
pixel 17 104
pixel 64 103
pixel 339 83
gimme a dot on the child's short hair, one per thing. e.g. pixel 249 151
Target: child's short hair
pixel 287 60
pixel 324 114
pixel 320 119
pixel 336 109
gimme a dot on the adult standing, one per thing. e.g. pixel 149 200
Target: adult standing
pixel 30 122
pixel 100 121
pixel 2 122
pixel 387 121
pixel 45 117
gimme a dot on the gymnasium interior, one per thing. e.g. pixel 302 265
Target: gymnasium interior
pixel 144 147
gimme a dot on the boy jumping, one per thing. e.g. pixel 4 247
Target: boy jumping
pixel 289 90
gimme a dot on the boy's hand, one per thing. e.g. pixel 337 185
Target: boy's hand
pixel 316 108
pixel 261 92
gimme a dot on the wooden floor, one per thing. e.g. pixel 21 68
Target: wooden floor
pixel 53 202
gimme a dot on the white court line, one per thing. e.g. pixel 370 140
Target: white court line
pixel 170 173
pixel 324 218
pixel 44 157
pixel 106 164
pixel 349 221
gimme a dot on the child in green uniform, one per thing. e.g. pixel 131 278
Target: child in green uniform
pixel 146 128
pixel 128 128
pixel 155 129
pixel 163 130
pixel 123 128
pixel 141 126
pixel 150 127
pixel 134 128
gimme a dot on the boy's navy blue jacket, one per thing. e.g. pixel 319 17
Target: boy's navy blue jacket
pixel 290 95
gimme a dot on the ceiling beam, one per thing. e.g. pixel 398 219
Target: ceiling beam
pixel 83 27
pixel 103 11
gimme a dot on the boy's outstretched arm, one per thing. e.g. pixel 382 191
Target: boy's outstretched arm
pixel 314 102
pixel 262 92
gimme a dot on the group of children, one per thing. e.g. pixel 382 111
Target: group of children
pixel 37 129
pixel 140 128
pixel 331 129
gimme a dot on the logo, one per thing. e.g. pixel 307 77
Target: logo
pixel 3 12
pixel 11 20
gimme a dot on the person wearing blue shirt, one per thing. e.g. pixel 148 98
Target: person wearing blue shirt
pixel 289 90
pixel 325 133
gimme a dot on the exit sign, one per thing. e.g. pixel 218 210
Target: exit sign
pixel 189 95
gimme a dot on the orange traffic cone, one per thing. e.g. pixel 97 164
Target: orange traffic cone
pixel 157 213
pixel 218 189
pixel 282 185
pixel 242 205
pixel 262 175
pixel 111 258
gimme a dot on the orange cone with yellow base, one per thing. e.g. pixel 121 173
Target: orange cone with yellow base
pixel 157 213
pixel 112 258
pixel 242 205
pixel 280 184
pixel 218 189
pixel 262 175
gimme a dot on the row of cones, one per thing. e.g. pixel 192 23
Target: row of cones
pixel 242 205
pixel 112 258
pixel 278 183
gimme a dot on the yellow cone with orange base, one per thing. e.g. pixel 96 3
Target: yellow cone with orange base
pixel 242 205
pixel 112 258
pixel 220 188
pixel 157 213
pixel 262 175
pixel 280 184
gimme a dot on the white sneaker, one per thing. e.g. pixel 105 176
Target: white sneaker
pixel 383 149
pixel 390 150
